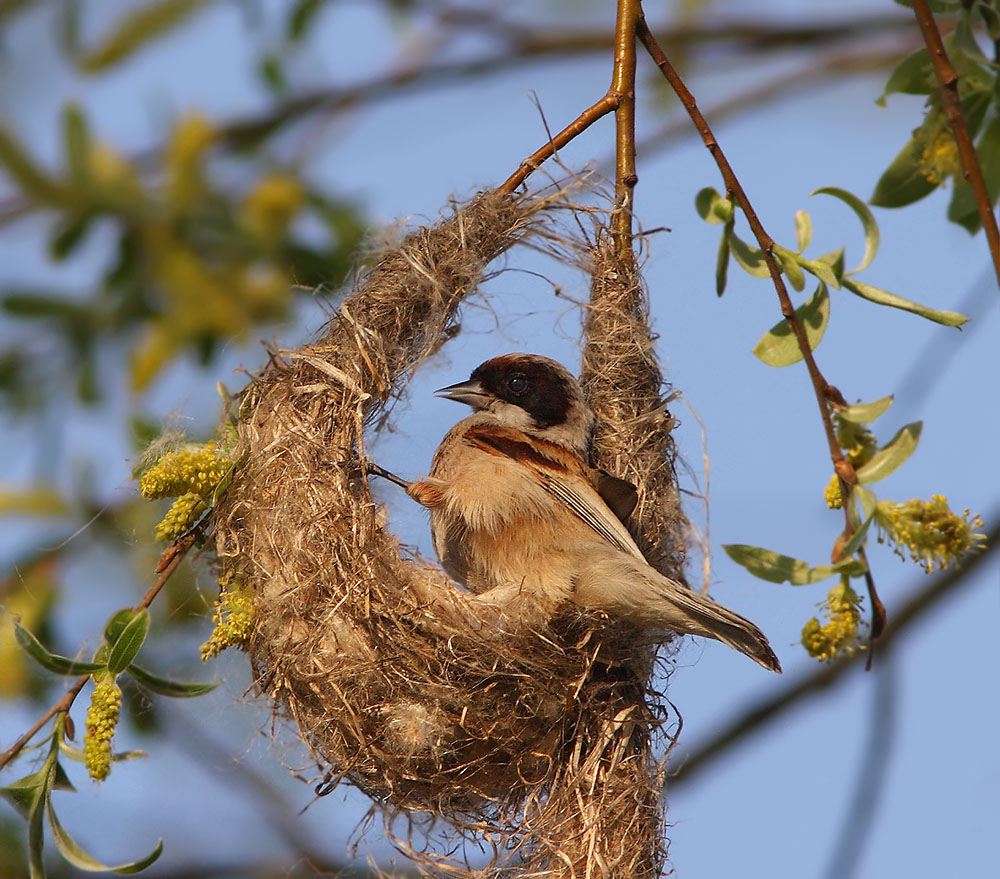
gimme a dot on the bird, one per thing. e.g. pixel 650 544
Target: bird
pixel 517 512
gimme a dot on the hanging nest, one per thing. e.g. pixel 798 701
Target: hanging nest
pixel 535 736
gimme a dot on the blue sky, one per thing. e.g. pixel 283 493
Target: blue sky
pixel 778 801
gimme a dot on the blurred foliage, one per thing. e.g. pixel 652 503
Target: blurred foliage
pixel 196 263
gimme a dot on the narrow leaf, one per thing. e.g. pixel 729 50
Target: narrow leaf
pixel 722 262
pixel 116 624
pixel 751 260
pixel 165 687
pixel 867 221
pixel 902 183
pixel 883 297
pixel 76 143
pixel 70 849
pixel 860 532
pixel 913 76
pixel 790 266
pixel 704 201
pixel 21 794
pixel 36 828
pixel 865 413
pixel 963 208
pixel 60 665
pixel 803 230
pixel 26 173
pixel 136 29
pixel 821 270
pixel 779 347
pixel 775 567
pixel 129 642
pixel 888 458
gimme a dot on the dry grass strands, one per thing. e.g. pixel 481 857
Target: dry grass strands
pixel 532 734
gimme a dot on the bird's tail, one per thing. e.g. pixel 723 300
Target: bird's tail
pixel 704 617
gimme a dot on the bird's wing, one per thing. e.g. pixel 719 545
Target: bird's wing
pixel 562 474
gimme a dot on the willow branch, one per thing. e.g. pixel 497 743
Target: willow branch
pixel 823 390
pixel 623 85
pixel 948 83
pixel 169 561
pixel 757 718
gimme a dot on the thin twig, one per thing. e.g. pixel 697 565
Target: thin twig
pixel 823 390
pixel 771 708
pixel 971 169
pixel 169 560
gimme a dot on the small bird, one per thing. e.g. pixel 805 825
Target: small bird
pixel 516 511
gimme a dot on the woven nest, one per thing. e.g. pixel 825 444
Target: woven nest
pixel 536 736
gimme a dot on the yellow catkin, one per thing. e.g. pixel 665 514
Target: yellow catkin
pixel 831 494
pixel 195 469
pixel 181 516
pixel 930 531
pixel 840 635
pixel 102 718
pixel 270 206
pixel 233 620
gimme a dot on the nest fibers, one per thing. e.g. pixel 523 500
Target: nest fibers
pixel 534 735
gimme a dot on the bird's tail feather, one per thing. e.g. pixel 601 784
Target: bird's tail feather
pixel 711 620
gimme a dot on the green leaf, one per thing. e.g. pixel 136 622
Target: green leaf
pixel 23 792
pixel 861 529
pixel 68 233
pixel 776 568
pixel 963 209
pixel 890 456
pixel 27 174
pixel 822 270
pixel 865 413
pixel 913 76
pixel 750 259
pixel 902 183
pixel 117 622
pixel 712 207
pixel 41 500
pixel 779 347
pixel 790 266
pixel 60 665
pixel 883 297
pixel 722 260
pixel 164 687
pixel 867 221
pixel 70 849
pixel 301 17
pixel 803 230
pixel 136 29
pixel 76 143
pixel 129 642
pixel 36 830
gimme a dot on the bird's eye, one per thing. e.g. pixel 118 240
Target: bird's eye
pixel 518 384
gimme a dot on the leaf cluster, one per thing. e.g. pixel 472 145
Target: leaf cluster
pixel 930 157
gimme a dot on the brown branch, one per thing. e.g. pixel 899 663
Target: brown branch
pixel 822 389
pixel 623 85
pixel 619 99
pixel 588 117
pixel 169 561
pixel 948 83
pixel 771 708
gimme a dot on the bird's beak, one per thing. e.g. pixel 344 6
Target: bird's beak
pixel 471 393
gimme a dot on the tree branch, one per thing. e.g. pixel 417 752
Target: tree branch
pixel 971 169
pixel 169 561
